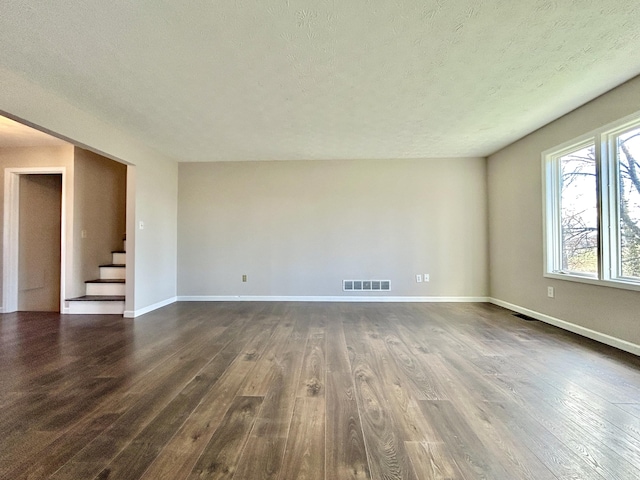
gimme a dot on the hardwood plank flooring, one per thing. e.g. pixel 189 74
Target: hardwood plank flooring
pixel 345 453
pixel 321 391
pixel 304 453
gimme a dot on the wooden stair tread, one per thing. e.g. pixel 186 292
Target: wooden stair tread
pixel 97 298
pixel 106 280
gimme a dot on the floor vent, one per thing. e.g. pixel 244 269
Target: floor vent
pixel 366 285
pixel 525 317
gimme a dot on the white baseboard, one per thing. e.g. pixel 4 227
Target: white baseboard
pixel 571 327
pixel 150 308
pixel 294 298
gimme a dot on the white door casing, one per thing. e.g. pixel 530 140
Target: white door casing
pixel 10 234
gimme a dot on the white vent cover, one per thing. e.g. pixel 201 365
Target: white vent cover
pixel 366 285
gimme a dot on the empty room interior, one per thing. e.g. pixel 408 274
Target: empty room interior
pixel 287 239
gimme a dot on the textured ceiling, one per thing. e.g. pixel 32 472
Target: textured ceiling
pixel 324 79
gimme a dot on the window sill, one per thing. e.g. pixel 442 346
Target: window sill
pixel 624 285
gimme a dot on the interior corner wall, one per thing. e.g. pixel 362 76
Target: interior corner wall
pixel 298 228
pixel 515 227
pixel 99 212
pixel 155 197
pixel 43 156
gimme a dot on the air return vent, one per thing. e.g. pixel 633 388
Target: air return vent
pixel 366 285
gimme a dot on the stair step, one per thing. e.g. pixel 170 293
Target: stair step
pixel 105 286
pixel 112 271
pixel 96 304
pixel 106 280
pixel 105 295
pixel 97 298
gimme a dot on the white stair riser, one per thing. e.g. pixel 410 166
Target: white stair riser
pixel 119 258
pixel 105 289
pixel 85 308
pixel 111 273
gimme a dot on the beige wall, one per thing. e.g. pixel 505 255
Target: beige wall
pixel 300 228
pixel 515 225
pixel 156 188
pixel 153 197
pixel 99 211
pixel 34 157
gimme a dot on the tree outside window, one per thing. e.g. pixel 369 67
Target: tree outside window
pixel 592 213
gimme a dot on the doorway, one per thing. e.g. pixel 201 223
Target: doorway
pixel 34 227
pixel 39 216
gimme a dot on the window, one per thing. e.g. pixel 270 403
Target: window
pixel 579 211
pixel 592 207
pixel 626 175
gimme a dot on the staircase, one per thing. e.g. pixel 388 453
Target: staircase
pixel 105 294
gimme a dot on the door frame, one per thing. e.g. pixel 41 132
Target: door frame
pixel 11 229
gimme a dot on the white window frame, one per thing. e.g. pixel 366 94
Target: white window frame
pixel 608 208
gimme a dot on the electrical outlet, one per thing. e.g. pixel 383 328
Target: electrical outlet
pixel 244 278
pixel 551 292
pixel 426 277
pixel 419 278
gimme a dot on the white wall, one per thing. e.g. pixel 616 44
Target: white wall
pixel 298 228
pixel 154 200
pixel 515 225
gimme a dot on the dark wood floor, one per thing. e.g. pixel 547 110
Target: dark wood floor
pixel 313 391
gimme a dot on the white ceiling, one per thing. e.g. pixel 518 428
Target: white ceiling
pixel 324 79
